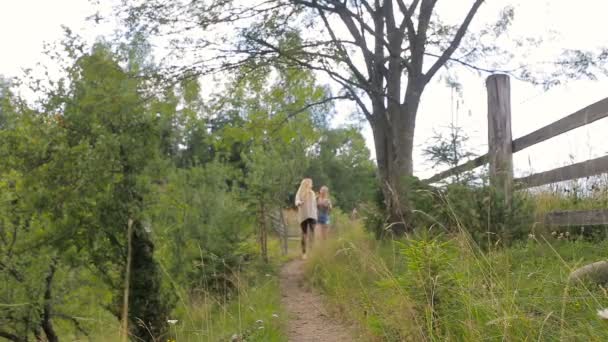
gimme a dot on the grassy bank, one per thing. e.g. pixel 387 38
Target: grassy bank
pixel 252 312
pixel 444 288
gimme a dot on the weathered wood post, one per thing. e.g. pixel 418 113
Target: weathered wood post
pixel 500 152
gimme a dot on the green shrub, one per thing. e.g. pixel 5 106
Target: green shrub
pixel 201 228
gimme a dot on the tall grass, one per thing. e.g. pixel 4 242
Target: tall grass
pixel 251 312
pixel 444 287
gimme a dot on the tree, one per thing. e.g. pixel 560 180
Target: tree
pixel 450 151
pixel 5 101
pixel 383 54
pixel 341 161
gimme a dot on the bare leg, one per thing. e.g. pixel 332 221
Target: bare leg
pixel 324 231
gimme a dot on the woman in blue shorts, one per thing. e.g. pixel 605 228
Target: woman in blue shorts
pixel 323 209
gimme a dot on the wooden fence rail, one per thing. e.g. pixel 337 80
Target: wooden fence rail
pixel 501 147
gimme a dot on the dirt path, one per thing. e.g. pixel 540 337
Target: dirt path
pixel 308 321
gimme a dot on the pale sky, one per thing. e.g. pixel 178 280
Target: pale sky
pixel 27 24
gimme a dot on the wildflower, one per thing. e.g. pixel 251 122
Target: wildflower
pixel 603 313
pixel 234 338
pixel 530 236
pixel 275 315
pixel 561 236
pixel 260 327
pixel 172 321
pixel 567 234
pixel 554 233
pixel 268 274
pixel 259 321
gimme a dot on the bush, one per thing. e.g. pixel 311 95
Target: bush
pixel 201 228
pixel 478 210
pixel 483 213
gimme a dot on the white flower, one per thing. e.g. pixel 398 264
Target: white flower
pixel 530 236
pixel 275 315
pixel 554 233
pixel 267 274
pixel 172 321
pixel 260 327
pixel 259 321
pixel 603 313
pixel 234 338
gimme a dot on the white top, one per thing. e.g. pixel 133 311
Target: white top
pixel 307 206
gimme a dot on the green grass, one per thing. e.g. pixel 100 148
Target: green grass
pixel 445 288
pixel 253 312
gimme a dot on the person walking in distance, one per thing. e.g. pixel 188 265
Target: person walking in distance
pixel 323 209
pixel 307 213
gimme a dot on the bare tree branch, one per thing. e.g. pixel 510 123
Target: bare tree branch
pixel 74 321
pixel 419 43
pixel 11 337
pixel 307 107
pixel 447 53
pixel 407 22
pixel 360 77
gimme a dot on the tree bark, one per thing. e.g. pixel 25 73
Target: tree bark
pixel 47 324
pixel 394 142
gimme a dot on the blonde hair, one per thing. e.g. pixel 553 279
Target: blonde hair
pixel 324 192
pixel 305 189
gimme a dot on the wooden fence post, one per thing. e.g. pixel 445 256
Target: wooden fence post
pixel 500 151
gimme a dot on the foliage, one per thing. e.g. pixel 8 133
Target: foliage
pixel 108 147
pixel 200 228
pixel 341 161
pixel 445 288
pixel 381 56
pixel 450 151
pixel 253 313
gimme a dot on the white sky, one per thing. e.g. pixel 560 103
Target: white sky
pixel 27 24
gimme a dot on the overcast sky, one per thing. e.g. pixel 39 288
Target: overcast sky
pixel 27 24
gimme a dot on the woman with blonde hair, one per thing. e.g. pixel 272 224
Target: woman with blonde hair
pixel 323 209
pixel 307 213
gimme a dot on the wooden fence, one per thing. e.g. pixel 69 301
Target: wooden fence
pixel 501 148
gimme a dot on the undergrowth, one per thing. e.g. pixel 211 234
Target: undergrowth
pixel 444 287
pixel 251 312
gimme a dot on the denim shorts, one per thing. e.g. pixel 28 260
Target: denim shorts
pixel 323 219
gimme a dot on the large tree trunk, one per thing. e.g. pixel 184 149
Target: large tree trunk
pixel 393 130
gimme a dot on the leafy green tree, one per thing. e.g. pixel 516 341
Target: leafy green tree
pixel 342 162
pixel 75 177
pixel 201 228
pixel 27 277
pixel 273 170
pixel 108 120
pixel 383 54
